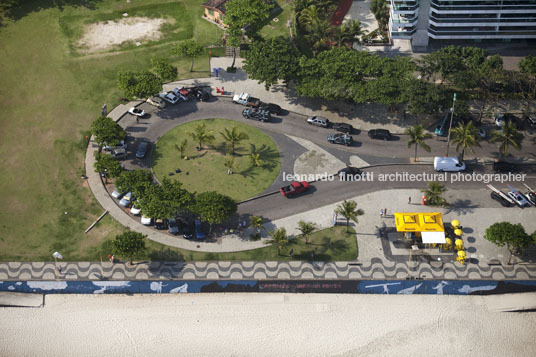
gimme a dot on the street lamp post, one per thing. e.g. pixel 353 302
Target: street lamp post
pixel 56 256
pixel 450 124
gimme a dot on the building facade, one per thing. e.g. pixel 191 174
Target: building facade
pixel 477 20
pixel 215 11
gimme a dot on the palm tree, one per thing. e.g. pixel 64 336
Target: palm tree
pixel 417 136
pixel 256 159
pixel 355 30
pixel 348 209
pixel 201 134
pixel 465 136
pixel 256 223
pixel 309 15
pixel 229 164
pixel 306 228
pixel 234 137
pixel 278 238
pixel 319 34
pixel 434 193
pixel 181 147
pixel 509 136
pixel 341 35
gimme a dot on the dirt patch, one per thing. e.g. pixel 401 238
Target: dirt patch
pixel 106 35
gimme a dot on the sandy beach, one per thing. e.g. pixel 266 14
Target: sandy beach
pixel 267 325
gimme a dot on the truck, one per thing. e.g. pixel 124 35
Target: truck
pixel 294 188
pixel 246 99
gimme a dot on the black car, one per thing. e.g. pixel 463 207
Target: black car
pixel 343 127
pixel 271 107
pixel 503 166
pixel 340 138
pixel 256 114
pixel 200 94
pixel 380 134
pixel 142 149
pixel 185 227
pixel 494 195
pixel 349 173
pixel 160 223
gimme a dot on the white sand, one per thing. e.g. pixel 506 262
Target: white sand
pixel 265 325
pixel 105 35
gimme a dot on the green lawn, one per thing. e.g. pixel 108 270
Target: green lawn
pixel 49 99
pixel 205 170
pixel 279 28
pixel 332 244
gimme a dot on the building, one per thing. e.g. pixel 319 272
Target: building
pixel 465 20
pixel 215 10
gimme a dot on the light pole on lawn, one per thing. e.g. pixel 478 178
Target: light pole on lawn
pixel 56 256
pixel 450 124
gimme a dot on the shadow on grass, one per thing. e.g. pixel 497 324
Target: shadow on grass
pixel 165 255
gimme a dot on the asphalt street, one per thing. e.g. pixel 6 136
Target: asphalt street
pixel 375 152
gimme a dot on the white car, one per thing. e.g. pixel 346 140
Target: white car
pixel 519 199
pixel 127 199
pixel 169 97
pixel 117 194
pixel 135 210
pixel 146 221
pixel 121 145
pixel 137 112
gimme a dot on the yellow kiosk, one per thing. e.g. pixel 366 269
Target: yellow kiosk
pixel 428 226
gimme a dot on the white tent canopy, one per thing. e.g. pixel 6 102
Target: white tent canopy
pixel 433 237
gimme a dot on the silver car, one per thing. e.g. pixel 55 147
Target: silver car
pixel 126 200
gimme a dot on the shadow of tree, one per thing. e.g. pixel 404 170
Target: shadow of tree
pixel 461 206
pixel 267 154
pixel 166 255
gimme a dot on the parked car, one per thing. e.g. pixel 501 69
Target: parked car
pixel 142 149
pixel 442 128
pixel 502 118
pixel 442 164
pixel 135 209
pixel 271 107
pixel 169 97
pixel 349 173
pixel 340 138
pixel 200 94
pixel 531 196
pixel 121 145
pixel 257 114
pixel 183 93
pixel 199 234
pixel 173 226
pixel 318 121
pixel 157 102
pixel 519 198
pixel 343 127
pixel 246 99
pixel 137 112
pixel 146 221
pixel 186 228
pixel 501 200
pixel 294 188
pixel 127 199
pixel 380 134
pixel 503 166
pixel 530 119
pixel 119 153
pixel 160 223
pixel 117 194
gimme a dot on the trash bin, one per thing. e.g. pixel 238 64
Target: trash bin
pixel 215 70
pixel 424 200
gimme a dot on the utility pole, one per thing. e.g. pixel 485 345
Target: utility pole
pixel 450 124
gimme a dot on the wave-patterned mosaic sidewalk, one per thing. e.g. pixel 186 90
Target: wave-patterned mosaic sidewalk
pixel 375 269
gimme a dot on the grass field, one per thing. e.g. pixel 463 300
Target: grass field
pixel 48 99
pixel 206 169
pixel 279 27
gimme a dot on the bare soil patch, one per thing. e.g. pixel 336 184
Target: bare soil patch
pixel 108 34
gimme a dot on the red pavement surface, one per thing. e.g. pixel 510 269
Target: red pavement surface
pixel 341 12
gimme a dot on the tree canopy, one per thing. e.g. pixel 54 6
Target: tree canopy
pixel 214 208
pixel 105 130
pixel 136 181
pixel 139 84
pixel 166 200
pixel 506 233
pixel 106 163
pixel 250 15
pixel 163 69
pixel 189 48
pixel 272 60
pixel 130 245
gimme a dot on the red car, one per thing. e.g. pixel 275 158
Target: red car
pixel 294 188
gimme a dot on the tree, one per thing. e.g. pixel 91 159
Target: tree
pixel 278 238
pixel 272 60
pixel 465 136
pixel 341 35
pixel 130 245
pixel 434 193
pixel 181 147
pixel 139 84
pixel 214 208
pixel 306 228
pixel 244 15
pixel 511 235
pixel 508 136
pixel 256 223
pixel 424 97
pixel 108 165
pixel 527 67
pixel 229 163
pixel 355 30
pixel 417 136
pixel 233 137
pixel 166 200
pixel 256 159
pixel 189 48
pixel 135 181
pixel 163 69
pixel 348 209
pixel 201 134
pixel 310 15
pixel 107 132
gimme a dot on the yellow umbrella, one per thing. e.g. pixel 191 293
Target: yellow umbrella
pixel 448 241
pixel 458 232
pixel 461 254
pixel 455 223
pixel 459 244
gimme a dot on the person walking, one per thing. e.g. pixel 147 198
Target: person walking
pixel 409 200
pixel 381 213
pixel 385 212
